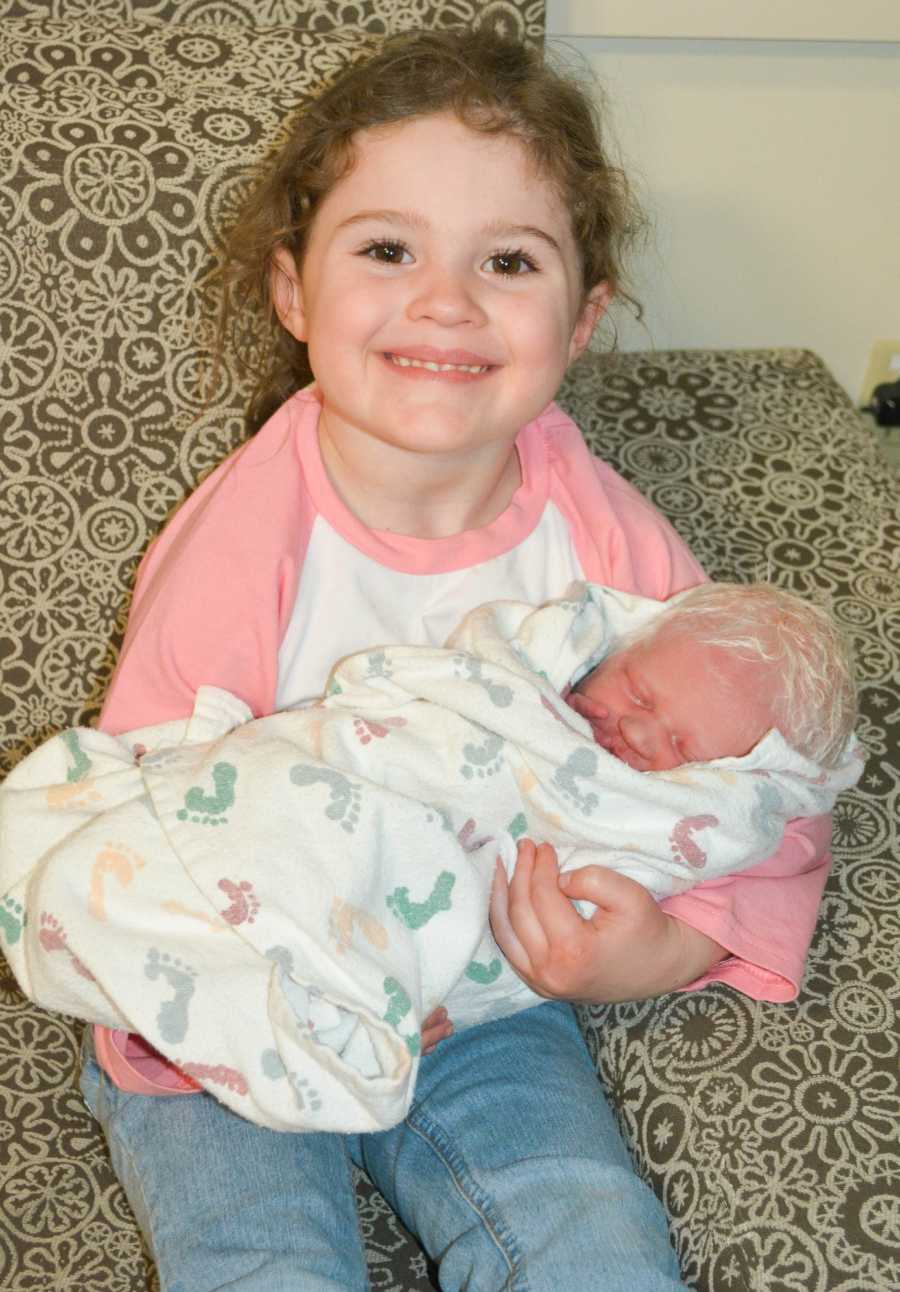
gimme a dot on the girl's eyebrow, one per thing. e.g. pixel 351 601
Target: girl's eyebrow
pixel 499 229
pixel 412 220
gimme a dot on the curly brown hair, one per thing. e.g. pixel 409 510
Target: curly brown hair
pixel 493 85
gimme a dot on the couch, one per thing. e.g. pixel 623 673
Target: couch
pixel 769 1131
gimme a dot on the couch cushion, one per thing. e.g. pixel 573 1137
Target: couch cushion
pixel 770 1131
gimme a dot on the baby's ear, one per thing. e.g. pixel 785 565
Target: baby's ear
pixel 592 311
pixel 287 293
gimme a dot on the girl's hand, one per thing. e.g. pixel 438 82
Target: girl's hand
pixel 628 949
pixel 437 1027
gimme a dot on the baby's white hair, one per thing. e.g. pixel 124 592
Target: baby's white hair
pixel 815 693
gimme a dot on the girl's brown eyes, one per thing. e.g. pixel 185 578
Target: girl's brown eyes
pixel 386 253
pixel 512 263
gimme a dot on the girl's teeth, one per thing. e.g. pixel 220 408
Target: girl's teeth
pixel 436 367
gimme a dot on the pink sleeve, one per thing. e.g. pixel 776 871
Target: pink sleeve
pixel 764 916
pixel 216 587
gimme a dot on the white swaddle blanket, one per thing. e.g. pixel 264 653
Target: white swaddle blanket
pixel 276 905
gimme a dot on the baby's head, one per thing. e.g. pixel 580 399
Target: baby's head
pixel 717 670
pixel 495 87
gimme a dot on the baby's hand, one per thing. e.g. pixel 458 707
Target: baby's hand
pixel 628 949
pixel 437 1027
pixel 588 708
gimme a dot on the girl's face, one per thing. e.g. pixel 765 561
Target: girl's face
pixel 440 293
pixel 667 701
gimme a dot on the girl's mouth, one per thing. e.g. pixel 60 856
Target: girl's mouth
pixel 436 368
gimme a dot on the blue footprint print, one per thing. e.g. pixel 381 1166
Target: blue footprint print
pixel 497 692
pixel 172 1019
pixel 580 763
pixel 344 796
pixel 483 759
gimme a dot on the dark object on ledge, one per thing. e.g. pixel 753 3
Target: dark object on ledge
pixel 885 405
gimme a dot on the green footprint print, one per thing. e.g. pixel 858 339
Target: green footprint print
pixel 208 809
pixel 518 825
pixel 399 1007
pixel 484 974
pixel 12 920
pixel 81 764
pixel 417 914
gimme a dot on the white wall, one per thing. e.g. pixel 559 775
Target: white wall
pixel 771 169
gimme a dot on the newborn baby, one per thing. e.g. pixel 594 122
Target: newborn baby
pixel 711 675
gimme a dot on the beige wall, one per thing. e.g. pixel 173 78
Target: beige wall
pixel 771 169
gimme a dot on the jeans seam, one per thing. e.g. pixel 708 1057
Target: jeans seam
pixel 475 1198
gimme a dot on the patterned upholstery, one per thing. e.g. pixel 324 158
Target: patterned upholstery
pixel 770 1132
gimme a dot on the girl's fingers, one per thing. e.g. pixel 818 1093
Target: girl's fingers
pixel 501 925
pixel 559 920
pixel 523 915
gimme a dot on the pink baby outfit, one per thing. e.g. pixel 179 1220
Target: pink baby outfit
pixel 263 578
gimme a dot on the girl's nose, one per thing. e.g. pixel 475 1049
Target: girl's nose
pixel 447 297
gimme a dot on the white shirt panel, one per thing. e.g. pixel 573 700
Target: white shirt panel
pixel 346 602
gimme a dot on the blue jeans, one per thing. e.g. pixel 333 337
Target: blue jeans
pixel 509 1168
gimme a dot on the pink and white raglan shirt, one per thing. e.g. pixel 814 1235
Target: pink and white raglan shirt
pixel 263 579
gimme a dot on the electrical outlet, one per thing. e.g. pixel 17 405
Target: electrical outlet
pixel 884 365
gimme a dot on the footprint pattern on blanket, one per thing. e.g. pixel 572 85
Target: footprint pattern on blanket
pixel 172 1019
pixel 52 937
pixel 469 838
pixel 484 759
pixel 484 974
pixel 683 844
pixel 243 905
pixel 307 1097
pixel 764 816
pixel 379 665
pixel 115 860
pixel 498 693
pixel 518 826
pixel 218 1074
pixel 12 920
pixel 367 729
pixel 415 915
pixel 81 764
pixel 344 918
pixel 201 808
pixel 344 795
pixel 399 1005
pixel 581 764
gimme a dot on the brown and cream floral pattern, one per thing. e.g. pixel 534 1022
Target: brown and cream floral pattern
pixel 770 1132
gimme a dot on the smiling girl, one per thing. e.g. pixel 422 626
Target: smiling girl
pixel 430 250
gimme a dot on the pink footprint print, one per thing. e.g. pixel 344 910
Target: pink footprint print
pixel 218 1074
pixel 52 937
pixel 244 902
pixel 684 847
pixel 367 729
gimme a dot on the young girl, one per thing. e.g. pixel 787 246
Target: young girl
pixel 437 238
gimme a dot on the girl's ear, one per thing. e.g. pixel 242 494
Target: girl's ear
pixel 287 293
pixel 592 312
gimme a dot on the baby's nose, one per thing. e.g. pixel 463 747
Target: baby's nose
pixel 640 733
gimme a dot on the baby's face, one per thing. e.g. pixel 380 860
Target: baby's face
pixel 668 701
